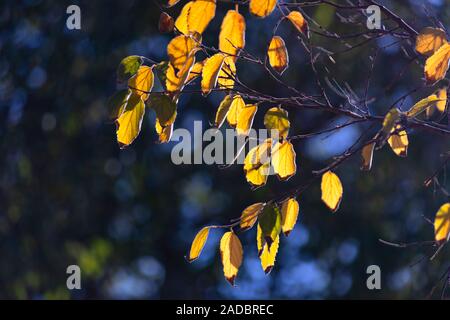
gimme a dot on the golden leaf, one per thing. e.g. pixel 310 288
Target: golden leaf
pixel 179 50
pixel 390 120
pixel 332 190
pixel 232 33
pixel 236 106
pixel 436 66
pixel 399 141
pixel 130 121
pixel 298 21
pixel 231 254
pixel 277 118
pixel 422 105
pixel 262 8
pixel 278 55
pixel 289 214
pixel 257 164
pixel 195 16
pixel 245 119
pixel 283 160
pixel 250 215
pixel 442 223
pixel 210 72
pixel 164 133
pixel 227 74
pixel 198 244
pixel 222 111
pixel 142 82
pixel 267 254
pixel 430 40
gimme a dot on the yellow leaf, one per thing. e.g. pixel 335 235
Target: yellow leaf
pixel 165 109
pixel 179 50
pixel 422 105
pixel 289 214
pixel 250 215
pixel 117 102
pixel 390 120
pixel 257 164
pixel 299 22
pixel 277 118
pixel 436 66
pixel 442 96
pixel 236 106
pixel 278 55
pixel 227 74
pixel 176 82
pixel 270 222
pixel 222 111
pixel 429 40
pixel 267 254
pixel 231 254
pixel 442 223
pixel 198 244
pixel 164 133
pixel 332 190
pixel 283 160
pixel 171 3
pixel 367 156
pixel 245 119
pixel 195 16
pixel 210 72
pixel 399 142
pixel 262 8
pixel 232 33
pixel 130 121
pixel 196 71
pixel 142 82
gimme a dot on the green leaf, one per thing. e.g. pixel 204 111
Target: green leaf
pixel 117 102
pixel 128 67
pixel 270 223
pixel 161 70
pixel 165 108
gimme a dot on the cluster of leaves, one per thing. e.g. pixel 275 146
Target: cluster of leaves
pixel 218 72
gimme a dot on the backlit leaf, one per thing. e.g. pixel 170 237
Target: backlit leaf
pixel 257 164
pixel 165 109
pixel 179 50
pixel 422 105
pixel 222 111
pixel 278 55
pixel 164 133
pixel 227 74
pixel 430 40
pixel 267 254
pixel 250 215
pixel 245 119
pixel 262 8
pixel 390 120
pixel 198 244
pixel 142 82
pixel 270 222
pixel 277 118
pixel 442 223
pixel 130 121
pixel 332 190
pixel 128 67
pixel 289 214
pixel 283 160
pixel 367 156
pixel 436 66
pixel 399 142
pixel 195 16
pixel 236 106
pixel 116 103
pixel 442 96
pixel 231 254
pixel 298 21
pixel 232 33
pixel 210 72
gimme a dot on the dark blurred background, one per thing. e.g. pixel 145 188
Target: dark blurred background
pixel 68 195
